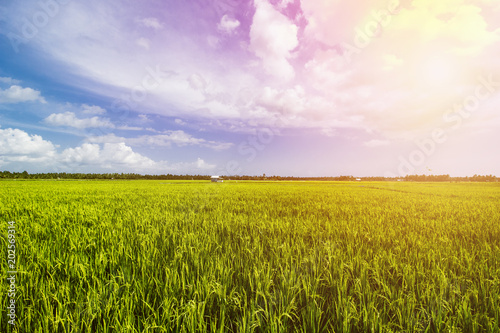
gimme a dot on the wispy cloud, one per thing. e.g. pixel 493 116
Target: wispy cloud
pixel 69 119
pixel 178 138
pixel 144 42
pixel 9 80
pixel 151 22
pixel 93 109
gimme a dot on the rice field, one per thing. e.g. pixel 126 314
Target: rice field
pixel 167 256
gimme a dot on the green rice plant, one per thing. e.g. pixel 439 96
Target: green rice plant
pixel 150 256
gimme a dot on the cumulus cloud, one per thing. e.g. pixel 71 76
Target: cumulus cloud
pixel 86 154
pixel 272 38
pixel 69 119
pixel 18 94
pixel 202 165
pixel 119 156
pixel 284 101
pixel 228 25
pixel 15 142
pixel 18 148
pixel 110 155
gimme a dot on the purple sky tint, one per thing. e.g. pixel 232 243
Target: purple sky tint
pixel 284 87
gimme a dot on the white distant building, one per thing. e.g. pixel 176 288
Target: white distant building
pixel 216 179
pixel 358 179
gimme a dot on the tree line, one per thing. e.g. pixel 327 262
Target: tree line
pixel 112 176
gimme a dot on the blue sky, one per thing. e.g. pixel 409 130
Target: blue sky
pixel 284 87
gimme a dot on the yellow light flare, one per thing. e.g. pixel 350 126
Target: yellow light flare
pixel 438 71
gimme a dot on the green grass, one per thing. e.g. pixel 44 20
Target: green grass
pixel 164 256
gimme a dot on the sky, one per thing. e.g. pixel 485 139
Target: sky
pixel 275 87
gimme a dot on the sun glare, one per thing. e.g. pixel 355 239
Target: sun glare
pixel 439 71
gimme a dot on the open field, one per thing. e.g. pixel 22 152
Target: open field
pixel 167 256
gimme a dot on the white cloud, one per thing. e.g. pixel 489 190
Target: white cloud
pixel 18 94
pixel 151 22
pixel 228 24
pixel 199 166
pixel 119 156
pixel 108 138
pixel 69 119
pixel 15 142
pixel 9 80
pixel 144 118
pixel 179 138
pixel 130 128
pixel 93 109
pixel 272 38
pixel 202 165
pixel 382 89
pixel 111 155
pixel 19 149
pixel 284 101
pixel 85 154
